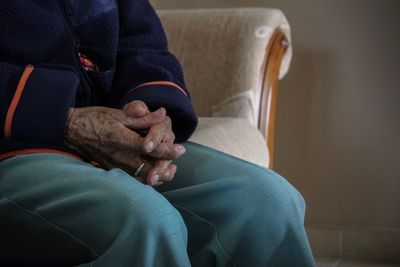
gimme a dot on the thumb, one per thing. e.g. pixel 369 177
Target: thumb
pixel 136 108
pixel 146 121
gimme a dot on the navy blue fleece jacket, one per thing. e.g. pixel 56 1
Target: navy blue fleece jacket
pixel 41 75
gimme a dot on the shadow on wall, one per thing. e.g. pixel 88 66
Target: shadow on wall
pixel 328 135
pixel 306 143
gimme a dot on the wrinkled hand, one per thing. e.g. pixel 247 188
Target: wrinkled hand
pixel 159 134
pixel 104 135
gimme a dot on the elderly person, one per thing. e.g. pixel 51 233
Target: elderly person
pixel 95 170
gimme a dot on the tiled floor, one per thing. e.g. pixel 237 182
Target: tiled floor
pixel 329 262
pixel 334 247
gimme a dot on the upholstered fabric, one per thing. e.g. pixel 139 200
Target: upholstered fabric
pixel 223 55
pixel 234 136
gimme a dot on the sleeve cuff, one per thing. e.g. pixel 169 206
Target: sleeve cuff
pixel 174 99
pixel 39 108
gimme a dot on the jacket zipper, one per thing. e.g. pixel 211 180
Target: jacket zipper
pixel 62 8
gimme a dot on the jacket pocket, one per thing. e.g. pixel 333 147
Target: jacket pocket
pixel 102 78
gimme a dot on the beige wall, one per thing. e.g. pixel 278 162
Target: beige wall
pixel 339 107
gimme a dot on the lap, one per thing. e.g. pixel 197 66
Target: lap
pixel 42 182
pixel 216 194
pixel 48 199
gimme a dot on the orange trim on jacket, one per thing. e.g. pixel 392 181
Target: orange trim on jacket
pixel 36 151
pixel 160 83
pixel 14 103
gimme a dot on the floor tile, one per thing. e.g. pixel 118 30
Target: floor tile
pixel 350 263
pixel 324 242
pixel 372 245
pixel 326 262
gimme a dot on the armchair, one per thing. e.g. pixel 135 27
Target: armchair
pixel 233 59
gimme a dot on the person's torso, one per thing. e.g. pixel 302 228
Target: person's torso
pixel 60 32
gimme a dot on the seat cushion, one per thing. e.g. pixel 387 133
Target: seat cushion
pixel 234 136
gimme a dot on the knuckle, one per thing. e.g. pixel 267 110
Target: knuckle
pixel 172 152
pixel 171 136
pixel 148 117
pixel 126 107
pixel 129 108
pixel 143 121
pixel 168 122
pixel 135 145
pixel 161 151
pixel 151 116
pixel 174 155
pixel 158 136
pixel 152 134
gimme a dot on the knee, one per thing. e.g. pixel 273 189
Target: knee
pixel 274 197
pixel 152 212
pixel 125 207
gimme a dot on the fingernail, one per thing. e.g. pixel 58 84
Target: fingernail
pixel 180 149
pixel 160 110
pixel 167 173
pixel 155 178
pixel 149 146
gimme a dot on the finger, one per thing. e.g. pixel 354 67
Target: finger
pixel 158 184
pixel 135 166
pixel 141 171
pixel 169 136
pixel 170 173
pixel 109 132
pixel 162 131
pixel 157 133
pixel 167 151
pixel 136 108
pixel 146 121
pixel 160 172
pixel 129 140
pixel 138 168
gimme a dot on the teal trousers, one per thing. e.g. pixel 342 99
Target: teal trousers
pixel 218 211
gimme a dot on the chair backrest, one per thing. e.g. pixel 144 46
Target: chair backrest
pixel 224 54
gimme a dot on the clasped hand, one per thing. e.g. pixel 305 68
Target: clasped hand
pixel 125 139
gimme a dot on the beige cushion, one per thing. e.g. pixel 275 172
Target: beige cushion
pixel 234 136
pixel 223 55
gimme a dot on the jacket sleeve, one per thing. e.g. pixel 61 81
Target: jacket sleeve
pixel 147 71
pixel 34 102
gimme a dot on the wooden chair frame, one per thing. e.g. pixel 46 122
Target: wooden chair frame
pixel 269 94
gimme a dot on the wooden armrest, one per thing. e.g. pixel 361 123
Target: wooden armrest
pixel 269 94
